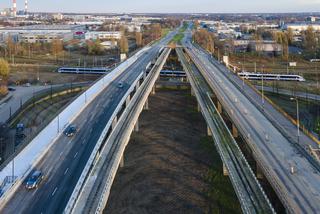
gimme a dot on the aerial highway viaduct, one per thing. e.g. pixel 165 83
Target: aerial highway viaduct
pixel 292 172
pixel 63 164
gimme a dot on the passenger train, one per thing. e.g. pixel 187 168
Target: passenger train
pixel 279 77
pixel 79 70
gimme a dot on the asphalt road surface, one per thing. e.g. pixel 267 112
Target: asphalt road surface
pixel 63 164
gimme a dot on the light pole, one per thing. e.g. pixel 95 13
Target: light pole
pixel 262 86
pixel 298 117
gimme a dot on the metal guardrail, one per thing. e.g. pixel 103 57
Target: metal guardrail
pixel 251 196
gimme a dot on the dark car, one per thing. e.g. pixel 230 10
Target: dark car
pixel 11 89
pixel 120 85
pixel 34 180
pixel 70 131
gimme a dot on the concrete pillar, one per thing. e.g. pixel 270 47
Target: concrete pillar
pixel 235 132
pixel 209 131
pixel 136 126
pixel 122 161
pixel 114 122
pixel 146 105
pixel 137 85
pixel 225 170
pixel 128 100
pixel 198 107
pixel 153 92
pixel 259 172
pixel 219 107
pixel 192 92
pixel 144 75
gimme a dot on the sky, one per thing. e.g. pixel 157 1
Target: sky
pixel 168 6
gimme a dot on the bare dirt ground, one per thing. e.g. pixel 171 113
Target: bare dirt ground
pixel 168 168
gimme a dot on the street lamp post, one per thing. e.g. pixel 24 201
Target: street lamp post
pixel 298 116
pixel 262 86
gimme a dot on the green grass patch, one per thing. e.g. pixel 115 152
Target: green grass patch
pixel 177 38
pixel 165 32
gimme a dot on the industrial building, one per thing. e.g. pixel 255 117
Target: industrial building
pixel 39 33
pixel 103 35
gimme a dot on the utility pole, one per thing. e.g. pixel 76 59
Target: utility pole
pixel 262 83
pixel 298 116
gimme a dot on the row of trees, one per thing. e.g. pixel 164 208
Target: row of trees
pixel 204 39
pixel 4 75
pixel 28 49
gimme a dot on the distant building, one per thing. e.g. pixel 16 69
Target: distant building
pixel 57 16
pixel 302 27
pixel 43 38
pixel 109 44
pixel 266 47
pixel 126 18
pixel 311 19
pixel 39 33
pixel 103 35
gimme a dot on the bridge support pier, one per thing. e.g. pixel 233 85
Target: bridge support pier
pixel 192 92
pixel 137 85
pixel 114 122
pixel 198 107
pixel 144 75
pixel 219 108
pixel 153 92
pixel 146 105
pixel 235 132
pixel 136 126
pixel 128 100
pixel 209 131
pixel 259 172
pixel 225 170
pixel 122 161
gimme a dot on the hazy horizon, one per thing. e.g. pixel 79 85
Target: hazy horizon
pixel 167 6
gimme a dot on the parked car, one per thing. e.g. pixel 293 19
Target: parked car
pixel 34 180
pixel 70 131
pixel 11 89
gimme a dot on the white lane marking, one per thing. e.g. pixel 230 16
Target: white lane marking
pixel 75 155
pixel 65 172
pixel 54 191
pixel 61 153
pixel 69 142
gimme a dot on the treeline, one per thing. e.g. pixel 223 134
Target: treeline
pixel 205 39
pixel 12 48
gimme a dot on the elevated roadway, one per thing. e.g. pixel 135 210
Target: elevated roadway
pixel 64 162
pixel 95 191
pixel 290 170
pixel 251 196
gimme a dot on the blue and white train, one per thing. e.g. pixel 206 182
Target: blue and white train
pixel 78 70
pixel 271 77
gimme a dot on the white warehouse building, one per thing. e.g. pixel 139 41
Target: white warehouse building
pixel 103 35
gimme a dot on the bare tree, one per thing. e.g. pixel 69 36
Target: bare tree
pixel 4 75
pixel 139 39
pixel 124 47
